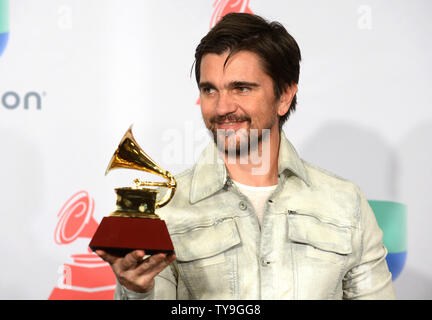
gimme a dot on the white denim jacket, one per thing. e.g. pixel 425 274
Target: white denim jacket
pixel 319 238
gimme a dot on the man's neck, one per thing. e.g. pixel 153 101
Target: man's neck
pixel 261 166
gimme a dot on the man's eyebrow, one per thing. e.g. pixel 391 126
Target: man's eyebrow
pixel 236 84
pixel 233 84
pixel 206 84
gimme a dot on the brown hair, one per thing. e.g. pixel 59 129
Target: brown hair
pixel 277 49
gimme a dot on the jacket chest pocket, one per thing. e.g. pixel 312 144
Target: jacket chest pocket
pixel 320 251
pixel 207 259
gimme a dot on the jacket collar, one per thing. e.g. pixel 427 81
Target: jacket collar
pixel 210 174
pixel 290 160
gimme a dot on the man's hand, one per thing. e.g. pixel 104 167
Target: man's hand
pixel 135 273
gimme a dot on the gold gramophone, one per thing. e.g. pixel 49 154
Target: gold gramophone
pixel 134 224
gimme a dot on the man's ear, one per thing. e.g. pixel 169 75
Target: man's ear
pixel 286 98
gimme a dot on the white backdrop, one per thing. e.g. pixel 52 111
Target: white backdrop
pixel 364 112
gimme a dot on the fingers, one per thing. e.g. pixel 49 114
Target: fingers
pixel 111 259
pixel 162 264
pixel 155 264
pixel 128 261
pixel 134 272
pixel 132 259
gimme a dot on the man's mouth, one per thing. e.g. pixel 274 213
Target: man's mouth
pixel 230 122
pixel 230 125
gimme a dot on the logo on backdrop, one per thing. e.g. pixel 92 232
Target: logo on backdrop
pixel 12 100
pixel 222 8
pixel 88 276
pixel 4 24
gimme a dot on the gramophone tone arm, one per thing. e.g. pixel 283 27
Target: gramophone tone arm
pixel 139 183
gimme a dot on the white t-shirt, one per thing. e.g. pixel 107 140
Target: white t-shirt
pixel 257 196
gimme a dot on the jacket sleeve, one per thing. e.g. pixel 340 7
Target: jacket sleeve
pixel 165 288
pixel 370 277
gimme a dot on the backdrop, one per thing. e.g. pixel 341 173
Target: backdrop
pixel 74 75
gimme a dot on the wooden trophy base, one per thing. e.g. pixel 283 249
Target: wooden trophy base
pixel 121 235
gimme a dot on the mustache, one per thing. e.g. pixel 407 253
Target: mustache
pixel 229 118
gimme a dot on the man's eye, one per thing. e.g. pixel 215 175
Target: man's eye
pixel 208 90
pixel 243 89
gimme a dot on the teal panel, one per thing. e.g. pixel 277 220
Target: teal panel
pixel 392 219
pixel 4 16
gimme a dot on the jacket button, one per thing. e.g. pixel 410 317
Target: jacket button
pixel 264 262
pixel 242 205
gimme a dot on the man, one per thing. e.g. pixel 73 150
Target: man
pixel 251 220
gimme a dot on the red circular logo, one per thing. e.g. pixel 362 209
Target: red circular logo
pixel 74 216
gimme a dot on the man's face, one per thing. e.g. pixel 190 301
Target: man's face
pixel 238 96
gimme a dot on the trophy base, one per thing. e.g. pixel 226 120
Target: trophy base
pixel 121 235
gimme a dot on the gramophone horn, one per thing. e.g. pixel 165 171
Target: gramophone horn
pixel 131 156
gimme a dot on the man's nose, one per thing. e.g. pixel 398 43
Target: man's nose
pixel 225 104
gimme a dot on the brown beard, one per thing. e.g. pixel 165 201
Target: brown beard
pixel 227 118
pixel 251 145
pixel 249 139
